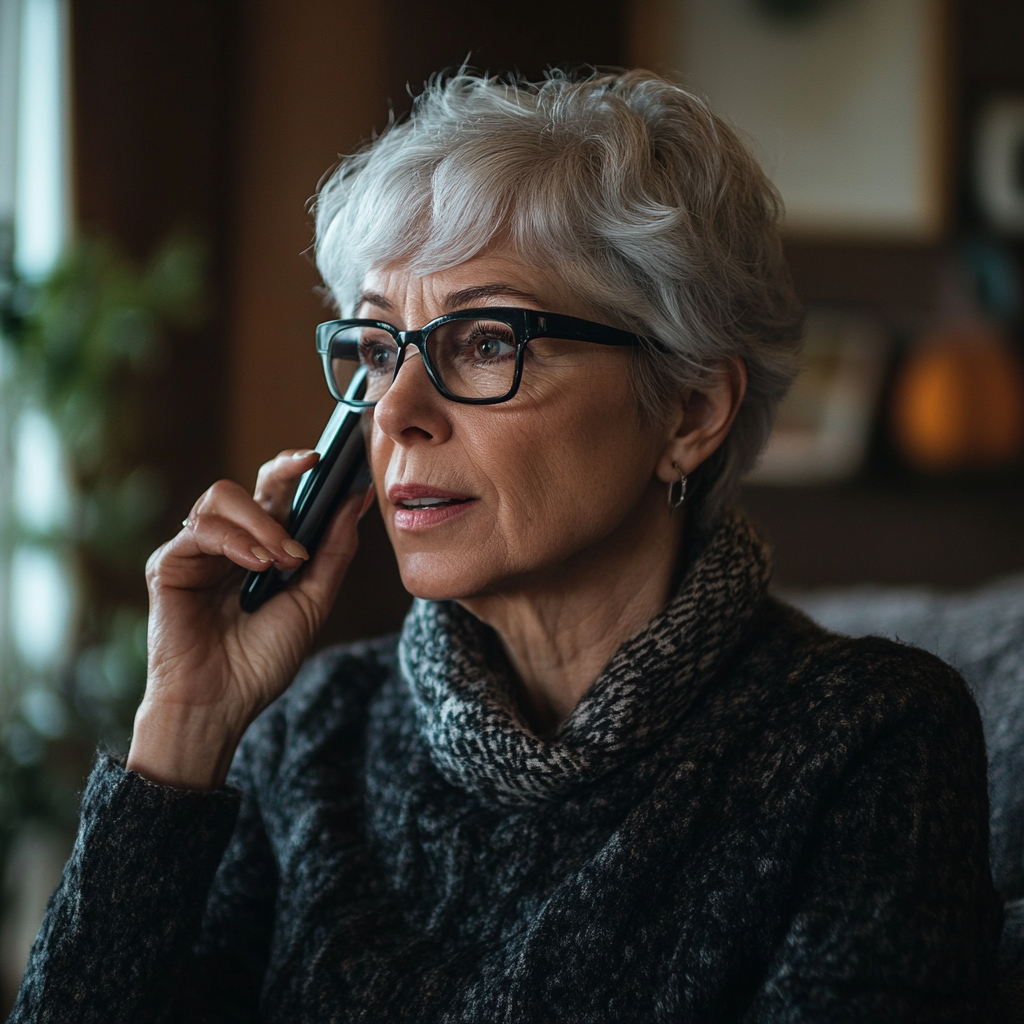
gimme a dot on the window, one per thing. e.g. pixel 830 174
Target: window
pixel 36 582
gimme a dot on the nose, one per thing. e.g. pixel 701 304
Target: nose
pixel 411 409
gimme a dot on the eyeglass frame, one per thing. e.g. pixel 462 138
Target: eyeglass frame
pixel 526 324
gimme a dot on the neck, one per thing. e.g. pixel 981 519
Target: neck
pixel 561 626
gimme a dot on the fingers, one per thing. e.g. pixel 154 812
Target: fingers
pixel 226 522
pixel 278 479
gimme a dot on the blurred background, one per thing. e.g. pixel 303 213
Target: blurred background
pixel 158 300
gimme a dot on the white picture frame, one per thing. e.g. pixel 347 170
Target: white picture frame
pixel 848 110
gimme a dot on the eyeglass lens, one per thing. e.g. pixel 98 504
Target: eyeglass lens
pixel 471 358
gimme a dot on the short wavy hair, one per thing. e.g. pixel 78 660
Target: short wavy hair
pixel 629 188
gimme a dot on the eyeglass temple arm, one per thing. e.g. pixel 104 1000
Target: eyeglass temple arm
pixel 557 325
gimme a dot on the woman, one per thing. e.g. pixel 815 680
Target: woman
pixel 602 775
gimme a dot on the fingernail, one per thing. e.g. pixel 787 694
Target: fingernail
pixel 262 554
pixel 305 453
pixel 295 549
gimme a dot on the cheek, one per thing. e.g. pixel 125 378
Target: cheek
pixel 566 479
pixel 554 475
pixel 378 451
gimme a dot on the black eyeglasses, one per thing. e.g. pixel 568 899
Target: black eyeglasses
pixel 474 356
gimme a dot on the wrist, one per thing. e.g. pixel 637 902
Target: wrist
pixel 183 746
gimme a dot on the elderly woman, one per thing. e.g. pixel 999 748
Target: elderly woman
pixel 602 775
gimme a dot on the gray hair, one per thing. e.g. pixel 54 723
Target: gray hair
pixel 628 188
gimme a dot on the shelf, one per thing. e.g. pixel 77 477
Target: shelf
pixel 954 535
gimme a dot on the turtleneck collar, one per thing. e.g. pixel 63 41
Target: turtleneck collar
pixel 462 685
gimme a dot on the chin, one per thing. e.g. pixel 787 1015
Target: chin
pixel 438 576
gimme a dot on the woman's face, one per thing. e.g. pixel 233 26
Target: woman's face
pixel 558 473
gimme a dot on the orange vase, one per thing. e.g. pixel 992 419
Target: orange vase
pixel 959 403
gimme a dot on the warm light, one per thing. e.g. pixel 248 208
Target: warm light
pixel 959 403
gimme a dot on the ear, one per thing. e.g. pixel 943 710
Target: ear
pixel 702 420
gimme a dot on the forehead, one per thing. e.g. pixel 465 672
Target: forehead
pixel 491 278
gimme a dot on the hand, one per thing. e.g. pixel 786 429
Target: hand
pixel 212 667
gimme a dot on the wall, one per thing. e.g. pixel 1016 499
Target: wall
pixel 153 95
pixel 312 89
pixel 892 527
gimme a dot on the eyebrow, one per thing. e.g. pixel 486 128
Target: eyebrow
pixel 374 299
pixel 463 298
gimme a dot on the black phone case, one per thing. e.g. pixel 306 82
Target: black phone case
pixel 342 469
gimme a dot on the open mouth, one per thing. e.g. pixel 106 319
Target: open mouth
pixel 418 503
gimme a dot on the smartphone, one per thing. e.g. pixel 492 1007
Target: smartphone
pixel 342 470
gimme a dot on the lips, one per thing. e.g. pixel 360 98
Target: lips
pixel 419 507
pixel 417 496
pixel 428 502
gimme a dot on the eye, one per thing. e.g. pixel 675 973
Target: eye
pixel 491 348
pixel 377 351
pixel 488 342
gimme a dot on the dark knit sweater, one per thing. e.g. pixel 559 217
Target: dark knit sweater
pixel 745 819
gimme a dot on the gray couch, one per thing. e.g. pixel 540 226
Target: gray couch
pixel 982 635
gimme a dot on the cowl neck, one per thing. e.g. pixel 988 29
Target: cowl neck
pixel 462 685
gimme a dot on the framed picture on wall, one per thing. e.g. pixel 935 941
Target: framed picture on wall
pixel 823 426
pixel 845 101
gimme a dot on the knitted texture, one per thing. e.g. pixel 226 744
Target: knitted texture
pixel 465 701
pixel 982 635
pixel 747 819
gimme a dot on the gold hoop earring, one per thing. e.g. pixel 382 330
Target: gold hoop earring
pixel 677 502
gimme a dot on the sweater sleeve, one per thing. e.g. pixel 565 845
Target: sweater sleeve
pixel 231 954
pixel 116 942
pixel 896 919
